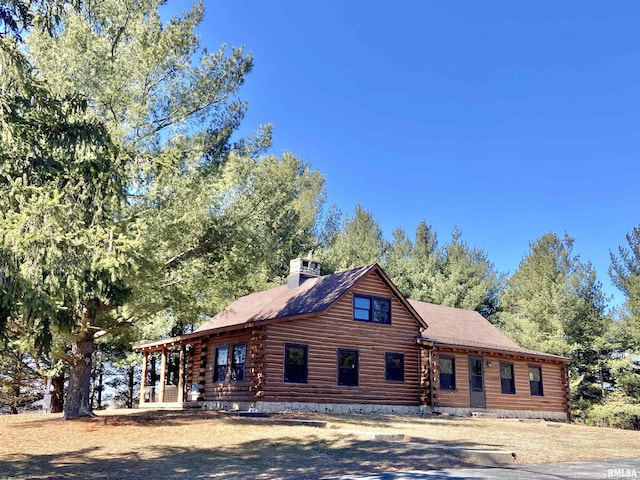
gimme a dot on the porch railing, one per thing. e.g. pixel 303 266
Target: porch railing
pixel 152 394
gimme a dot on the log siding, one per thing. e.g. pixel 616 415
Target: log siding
pixel 554 379
pixel 324 332
pixel 335 329
pixel 227 390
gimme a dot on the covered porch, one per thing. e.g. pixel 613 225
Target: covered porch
pixel 164 379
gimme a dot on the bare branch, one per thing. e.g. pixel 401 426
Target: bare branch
pixel 116 328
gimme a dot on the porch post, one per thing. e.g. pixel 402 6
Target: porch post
pixel 181 375
pixel 163 373
pixel 143 378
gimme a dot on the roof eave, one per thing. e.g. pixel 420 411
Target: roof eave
pixel 431 342
pixel 190 337
pixel 151 345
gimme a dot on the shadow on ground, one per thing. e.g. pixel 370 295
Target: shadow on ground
pixel 281 458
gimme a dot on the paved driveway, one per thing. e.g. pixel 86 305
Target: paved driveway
pixel 617 469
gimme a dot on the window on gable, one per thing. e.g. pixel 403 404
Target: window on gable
pixel 447 369
pixel 220 369
pixel 507 381
pixel 535 380
pixel 347 367
pixel 361 308
pixel 394 366
pixel 237 362
pixel 371 309
pixel 295 363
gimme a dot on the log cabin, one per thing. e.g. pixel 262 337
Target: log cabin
pixel 350 342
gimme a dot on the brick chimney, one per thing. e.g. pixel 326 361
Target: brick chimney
pixel 300 269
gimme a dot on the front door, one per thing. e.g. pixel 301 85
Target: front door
pixel 476 382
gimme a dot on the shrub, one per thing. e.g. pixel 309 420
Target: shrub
pixel 616 415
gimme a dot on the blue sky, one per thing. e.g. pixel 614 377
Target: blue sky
pixel 507 119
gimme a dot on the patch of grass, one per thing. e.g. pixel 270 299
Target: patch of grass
pixel 180 445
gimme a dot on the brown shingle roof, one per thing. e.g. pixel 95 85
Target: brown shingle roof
pixel 315 295
pixel 455 326
pixel 444 325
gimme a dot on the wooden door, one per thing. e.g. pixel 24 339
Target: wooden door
pixel 476 382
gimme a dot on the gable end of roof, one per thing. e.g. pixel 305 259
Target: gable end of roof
pixel 313 296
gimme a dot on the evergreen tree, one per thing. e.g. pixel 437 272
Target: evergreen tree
pixel 264 214
pixel 122 195
pixel 539 300
pixel 60 190
pixel 589 334
pixel 398 261
pixel 466 278
pixel 625 272
pixel 19 379
pixel 455 275
pixel 426 263
pixel 553 303
pixel 360 242
pixel 625 364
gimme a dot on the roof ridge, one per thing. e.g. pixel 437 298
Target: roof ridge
pixel 444 306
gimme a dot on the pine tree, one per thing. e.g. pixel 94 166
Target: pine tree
pixel 539 300
pixel 624 364
pixel 124 199
pixel 426 263
pixel 467 279
pixel 455 275
pixel 398 261
pixel 625 272
pixel 61 189
pixel 360 242
pixel 553 303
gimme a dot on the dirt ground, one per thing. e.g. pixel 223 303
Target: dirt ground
pixel 195 444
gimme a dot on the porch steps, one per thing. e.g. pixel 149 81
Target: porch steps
pixel 298 423
pixel 487 457
pixel 383 437
pixel 484 414
pixel 244 413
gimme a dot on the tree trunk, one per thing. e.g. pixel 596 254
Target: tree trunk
pixel 100 385
pixel 15 390
pixel 92 389
pixel 57 395
pixel 130 393
pixel 78 401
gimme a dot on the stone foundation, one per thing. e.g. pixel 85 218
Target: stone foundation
pixel 276 407
pixel 230 406
pixel 502 413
